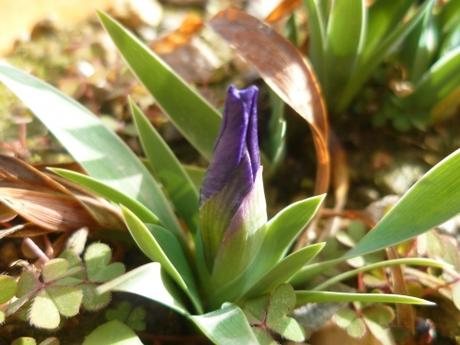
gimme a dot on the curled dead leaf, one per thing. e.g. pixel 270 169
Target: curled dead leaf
pixel 48 204
pixel 283 68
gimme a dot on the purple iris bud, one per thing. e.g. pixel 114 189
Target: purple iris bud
pixel 232 187
pixel 237 147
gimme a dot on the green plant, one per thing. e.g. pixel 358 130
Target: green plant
pixel 60 287
pixel 221 286
pixel 349 40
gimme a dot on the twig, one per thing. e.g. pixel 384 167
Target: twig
pixel 42 257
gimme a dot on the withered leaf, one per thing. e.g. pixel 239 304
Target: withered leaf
pixel 283 68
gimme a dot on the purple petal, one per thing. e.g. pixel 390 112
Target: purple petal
pixel 236 145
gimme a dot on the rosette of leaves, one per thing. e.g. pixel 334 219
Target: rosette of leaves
pixel 165 221
pixel 350 39
pixel 61 287
pixel 430 59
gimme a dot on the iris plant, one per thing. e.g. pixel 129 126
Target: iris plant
pixel 233 269
pixel 233 208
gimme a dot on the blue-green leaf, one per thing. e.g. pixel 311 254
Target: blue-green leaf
pixel 346 34
pixel 161 246
pixel 150 282
pixel 109 193
pixel 167 169
pixel 434 199
pixel 285 269
pixel 226 326
pixel 99 150
pixel 194 117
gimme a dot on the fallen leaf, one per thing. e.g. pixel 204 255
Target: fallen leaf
pixel 179 37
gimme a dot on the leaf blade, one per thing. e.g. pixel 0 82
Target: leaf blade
pixel 200 130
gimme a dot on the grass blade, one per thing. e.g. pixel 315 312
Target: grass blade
pixel 99 150
pixel 304 297
pixel 193 116
pixel 167 169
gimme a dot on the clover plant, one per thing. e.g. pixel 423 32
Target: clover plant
pixel 218 259
pixel 44 296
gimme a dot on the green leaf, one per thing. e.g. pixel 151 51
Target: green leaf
pixel 99 150
pixel 387 263
pixel 109 193
pixel 317 36
pixel 357 328
pixel 380 314
pixel 369 62
pixel 7 288
pixel 286 269
pixel 66 298
pixel 282 302
pixel 94 301
pixel 384 16
pixel 26 283
pixel 42 305
pixel 433 200
pixel 280 233
pixel 149 282
pixel 167 169
pixel 420 46
pixel 24 341
pixel 195 118
pixel 344 317
pixel 226 326
pixel 196 174
pixel 346 33
pixel 112 333
pixel 437 83
pixel 304 297
pixel 55 269
pixel 97 259
pixel 151 247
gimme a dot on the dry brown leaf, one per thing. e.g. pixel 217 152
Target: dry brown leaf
pixel 48 204
pixel 52 211
pixel 283 68
pixel 179 37
pixel 285 7
pixel 6 214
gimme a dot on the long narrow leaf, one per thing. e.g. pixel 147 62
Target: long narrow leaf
pixel 384 16
pixel 160 248
pixel 304 297
pixel 442 78
pixel 194 117
pixel 99 150
pixel 381 264
pixel 168 169
pixel 150 282
pixel 226 326
pixel 434 199
pixel 346 33
pixel 317 37
pixel 372 59
pixel 280 233
pixel 109 193
pixel 285 269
